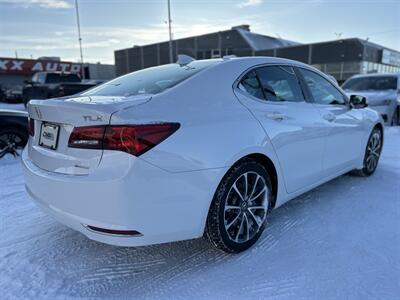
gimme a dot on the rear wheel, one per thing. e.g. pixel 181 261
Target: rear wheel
pixel 372 153
pixel 240 206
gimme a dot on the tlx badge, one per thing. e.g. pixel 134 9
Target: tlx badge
pixel 93 118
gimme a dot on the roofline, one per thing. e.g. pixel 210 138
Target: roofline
pixel 347 39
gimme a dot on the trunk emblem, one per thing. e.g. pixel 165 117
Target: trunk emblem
pixel 93 118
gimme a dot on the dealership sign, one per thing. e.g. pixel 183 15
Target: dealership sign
pixel 15 66
pixel 390 57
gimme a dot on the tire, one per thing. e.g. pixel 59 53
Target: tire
pixel 12 139
pixel 237 228
pixel 395 117
pixel 372 152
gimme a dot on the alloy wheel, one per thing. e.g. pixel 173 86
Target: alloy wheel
pixel 9 143
pixel 246 207
pixel 373 151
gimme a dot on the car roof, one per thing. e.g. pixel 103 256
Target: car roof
pixel 260 60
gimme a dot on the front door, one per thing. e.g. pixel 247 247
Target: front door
pixel 345 133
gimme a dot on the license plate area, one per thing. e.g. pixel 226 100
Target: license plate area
pixel 49 135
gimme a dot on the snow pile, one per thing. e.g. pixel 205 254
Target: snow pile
pixel 339 241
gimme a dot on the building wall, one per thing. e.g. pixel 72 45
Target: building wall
pixel 199 47
pixel 101 72
pixel 341 58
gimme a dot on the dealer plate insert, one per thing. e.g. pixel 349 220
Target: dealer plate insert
pixel 49 135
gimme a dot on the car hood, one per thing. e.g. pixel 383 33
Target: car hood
pixel 376 98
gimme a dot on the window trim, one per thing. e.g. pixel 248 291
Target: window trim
pixel 236 83
pixel 309 94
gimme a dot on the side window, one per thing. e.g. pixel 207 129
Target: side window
pixel 53 78
pixel 280 84
pixel 35 77
pixel 251 85
pixel 41 77
pixel 321 89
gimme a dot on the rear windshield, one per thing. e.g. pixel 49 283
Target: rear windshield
pixel 149 81
pixel 375 83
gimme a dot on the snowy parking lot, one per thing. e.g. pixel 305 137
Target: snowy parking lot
pixel 339 241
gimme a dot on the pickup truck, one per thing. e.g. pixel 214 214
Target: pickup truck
pixel 45 85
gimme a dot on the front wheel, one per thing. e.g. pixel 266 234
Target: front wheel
pixel 372 153
pixel 396 117
pixel 239 208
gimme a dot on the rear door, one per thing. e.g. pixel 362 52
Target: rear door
pixel 294 126
pixel 344 126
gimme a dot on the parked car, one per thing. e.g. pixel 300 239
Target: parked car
pixel 13 131
pixel 205 147
pixel 45 85
pixel 2 94
pixel 13 96
pixel 382 92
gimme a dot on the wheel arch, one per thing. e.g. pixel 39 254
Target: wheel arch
pixel 267 163
pixel 380 127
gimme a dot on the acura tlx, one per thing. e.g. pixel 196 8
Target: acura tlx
pixel 195 148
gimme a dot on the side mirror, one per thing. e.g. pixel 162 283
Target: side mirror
pixel 357 101
pixel 28 82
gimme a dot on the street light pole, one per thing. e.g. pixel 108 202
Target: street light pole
pixel 171 57
pixel 79 38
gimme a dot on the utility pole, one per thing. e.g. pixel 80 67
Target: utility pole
pixel 79 38
pixel 171 57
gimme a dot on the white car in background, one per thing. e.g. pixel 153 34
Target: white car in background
pixel 184 150
pixel 382 92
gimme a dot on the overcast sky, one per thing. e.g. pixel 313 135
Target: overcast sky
pixel 48 27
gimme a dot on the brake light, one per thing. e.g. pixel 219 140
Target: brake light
pixel 133 139
pixel 31 127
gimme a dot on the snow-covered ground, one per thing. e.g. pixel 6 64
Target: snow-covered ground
pixel 339 241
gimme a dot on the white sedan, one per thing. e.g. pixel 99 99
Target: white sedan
pixel 184 150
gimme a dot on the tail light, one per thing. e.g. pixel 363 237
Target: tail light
pixel 31 127
pixel 133 139
pixel 87 137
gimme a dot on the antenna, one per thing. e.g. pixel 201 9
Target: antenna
pixel 338 35
pixel 79 37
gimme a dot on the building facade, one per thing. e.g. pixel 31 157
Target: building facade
pixel 339 58
pixel 237 41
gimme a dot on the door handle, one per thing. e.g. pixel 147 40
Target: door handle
pixel 276 116
pixel 329 117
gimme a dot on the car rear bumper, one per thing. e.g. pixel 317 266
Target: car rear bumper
pixel 126 193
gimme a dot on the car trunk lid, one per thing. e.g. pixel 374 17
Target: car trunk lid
pixel 54 121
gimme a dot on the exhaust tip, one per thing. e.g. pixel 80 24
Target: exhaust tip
pixel 131 233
